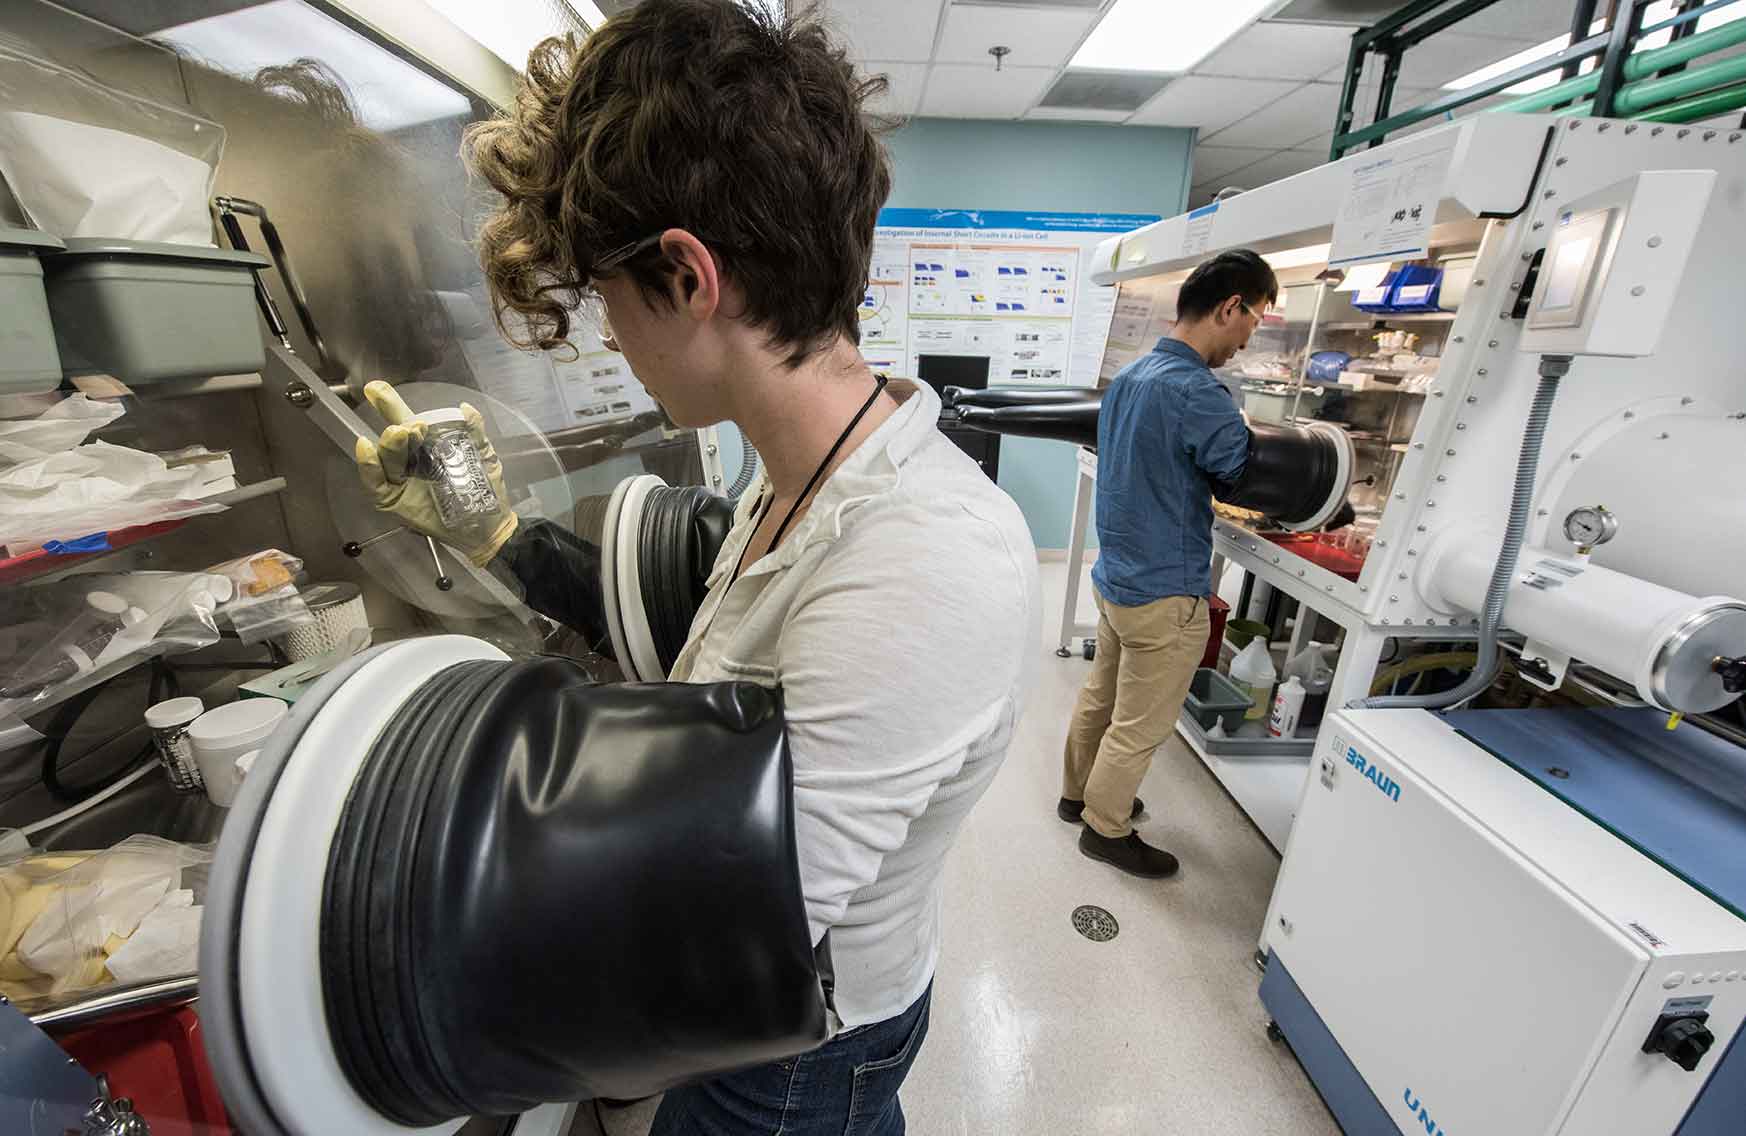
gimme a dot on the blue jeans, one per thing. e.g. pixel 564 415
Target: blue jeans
pixel 846 1088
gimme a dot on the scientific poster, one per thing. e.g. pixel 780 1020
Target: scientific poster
pixel 555 393
pixel 1013 286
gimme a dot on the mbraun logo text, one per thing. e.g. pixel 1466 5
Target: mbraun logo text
pixel 1372 774
pixel 1432 1128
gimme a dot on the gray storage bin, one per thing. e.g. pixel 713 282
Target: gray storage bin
pixel 145 312
pixel 29 362
pixel 1212 697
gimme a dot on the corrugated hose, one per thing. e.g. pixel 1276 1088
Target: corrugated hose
pixel 1552 369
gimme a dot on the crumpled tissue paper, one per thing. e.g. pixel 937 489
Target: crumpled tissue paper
pixel 93 488
pixel 61 427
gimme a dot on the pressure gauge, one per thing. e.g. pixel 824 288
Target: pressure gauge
pixel 1590 525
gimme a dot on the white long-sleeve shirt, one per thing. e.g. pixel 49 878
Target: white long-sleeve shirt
pixel 900 618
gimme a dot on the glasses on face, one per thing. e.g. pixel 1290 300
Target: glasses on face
pixel 590 304
pixel 1252 312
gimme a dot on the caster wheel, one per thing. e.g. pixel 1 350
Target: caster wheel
pixel 1063 653
pixel 1261 961
pixel 1090 649
pixel 1274 1033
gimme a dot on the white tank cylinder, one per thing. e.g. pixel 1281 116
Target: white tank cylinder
pixel 1673 481
pixel 1665 643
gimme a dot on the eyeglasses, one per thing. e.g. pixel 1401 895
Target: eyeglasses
pixel 590 304
pixel 1252 312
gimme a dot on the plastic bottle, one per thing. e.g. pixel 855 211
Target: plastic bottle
pixel 1314 665
pixel 1287 705
pixel 1253 671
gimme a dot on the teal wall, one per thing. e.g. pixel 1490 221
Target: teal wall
pixel 944 163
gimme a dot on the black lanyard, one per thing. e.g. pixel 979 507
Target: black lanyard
pixel 879 381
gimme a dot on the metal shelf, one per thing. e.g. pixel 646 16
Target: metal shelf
pixel 59 567
pixel 1407 317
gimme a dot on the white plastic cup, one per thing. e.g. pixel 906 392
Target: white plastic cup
pixel 221 736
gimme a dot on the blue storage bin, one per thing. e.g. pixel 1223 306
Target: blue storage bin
pixel 1415 289
pixel 1376 299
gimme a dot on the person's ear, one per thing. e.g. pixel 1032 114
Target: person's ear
pixel 695 284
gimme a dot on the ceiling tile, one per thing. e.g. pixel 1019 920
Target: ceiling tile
pixel 1213 162
pixel 899 30
pixel 1453 54
pixel 1038 38
pixel 1534 20
pixel 906 80
pixel 1272 168
pixel 1302 114
pixel 1280 51
pixel 959 90
pixel 1210 103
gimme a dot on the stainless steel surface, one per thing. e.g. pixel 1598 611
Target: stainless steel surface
pixel 43 1092
pixel 153 806
pixel 1683 676
pixel 189 388
pixel 117 1001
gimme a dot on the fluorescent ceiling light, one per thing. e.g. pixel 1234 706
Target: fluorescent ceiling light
pixel 509 29
pixel 1149 35
pixel 388 92
pixel 1652 15
pixel 1297 257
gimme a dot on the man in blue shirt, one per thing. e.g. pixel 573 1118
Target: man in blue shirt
pixel 1167 433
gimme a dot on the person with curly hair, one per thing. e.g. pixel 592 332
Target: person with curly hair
pixel 700 181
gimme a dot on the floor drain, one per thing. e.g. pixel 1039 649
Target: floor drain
pixel 1095 923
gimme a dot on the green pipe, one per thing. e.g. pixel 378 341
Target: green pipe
pixel 1650 92
pixel 1638 66
pixel 1581 87
pixel 1706 105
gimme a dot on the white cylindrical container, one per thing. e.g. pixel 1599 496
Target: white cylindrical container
pixel 169 722
pixel 1287 706
pixel 221 736
pixel 338 609
pixel 1665 643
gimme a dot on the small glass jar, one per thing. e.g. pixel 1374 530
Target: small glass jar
pixel 465 500
pixel 169 722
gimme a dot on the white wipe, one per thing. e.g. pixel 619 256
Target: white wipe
pixel 79 180
pixel 166 945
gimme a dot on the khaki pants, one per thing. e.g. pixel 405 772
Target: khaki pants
pixel 1146 657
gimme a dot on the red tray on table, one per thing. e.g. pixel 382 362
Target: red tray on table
pixel 1327 550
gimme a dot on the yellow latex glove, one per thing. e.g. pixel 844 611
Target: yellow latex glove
pixel 384 467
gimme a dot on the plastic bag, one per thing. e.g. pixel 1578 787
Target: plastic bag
pixel 66 630
pixel 61 427
pixel 266 603
pixel 88 160
pixel 93 488
pixel 64 915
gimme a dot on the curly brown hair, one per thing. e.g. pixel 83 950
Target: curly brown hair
pixel 747 130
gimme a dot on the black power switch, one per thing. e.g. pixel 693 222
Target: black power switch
pixel 1682 1038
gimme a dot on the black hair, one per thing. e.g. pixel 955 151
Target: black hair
pixel 1239 272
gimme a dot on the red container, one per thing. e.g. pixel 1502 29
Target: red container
pixel 157 1060
pixel 1324 549
pixel 1217 611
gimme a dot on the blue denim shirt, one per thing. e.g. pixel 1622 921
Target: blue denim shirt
pixel 1167 431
